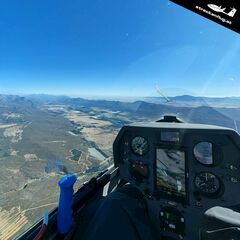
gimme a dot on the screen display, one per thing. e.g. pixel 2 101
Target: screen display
pixel 170 136
pixel 171 172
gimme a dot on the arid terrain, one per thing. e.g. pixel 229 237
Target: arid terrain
pixel 39 144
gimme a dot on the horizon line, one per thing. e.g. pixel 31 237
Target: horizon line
pixel 108 96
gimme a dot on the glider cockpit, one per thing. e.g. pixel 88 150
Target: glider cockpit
pixel 188 175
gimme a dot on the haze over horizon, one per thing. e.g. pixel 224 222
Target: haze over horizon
pixel 115 97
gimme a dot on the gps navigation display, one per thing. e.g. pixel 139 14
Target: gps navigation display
pixel 171 172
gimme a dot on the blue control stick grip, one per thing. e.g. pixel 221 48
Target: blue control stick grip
pixel 64 218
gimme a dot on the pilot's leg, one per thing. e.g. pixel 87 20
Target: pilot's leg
pixel 121 216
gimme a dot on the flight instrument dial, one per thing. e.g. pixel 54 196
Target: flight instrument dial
pixel 207 183
pixel 139 145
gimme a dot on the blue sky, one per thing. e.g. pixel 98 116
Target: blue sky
pixel 114 48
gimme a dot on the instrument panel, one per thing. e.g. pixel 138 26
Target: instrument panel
pixel 183 170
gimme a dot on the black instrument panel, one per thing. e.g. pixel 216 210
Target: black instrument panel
pixel 183 170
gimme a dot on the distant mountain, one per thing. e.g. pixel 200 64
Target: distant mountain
pixel 15 103
pixel 218 101
pixel 45 98
pixel 204 99
pixel 189 108
pixel 194 109
pixel 198 101
pixel 87 103
pixel 187 98
pixel 202 114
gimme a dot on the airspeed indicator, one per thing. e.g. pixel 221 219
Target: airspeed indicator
pixel 139 146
